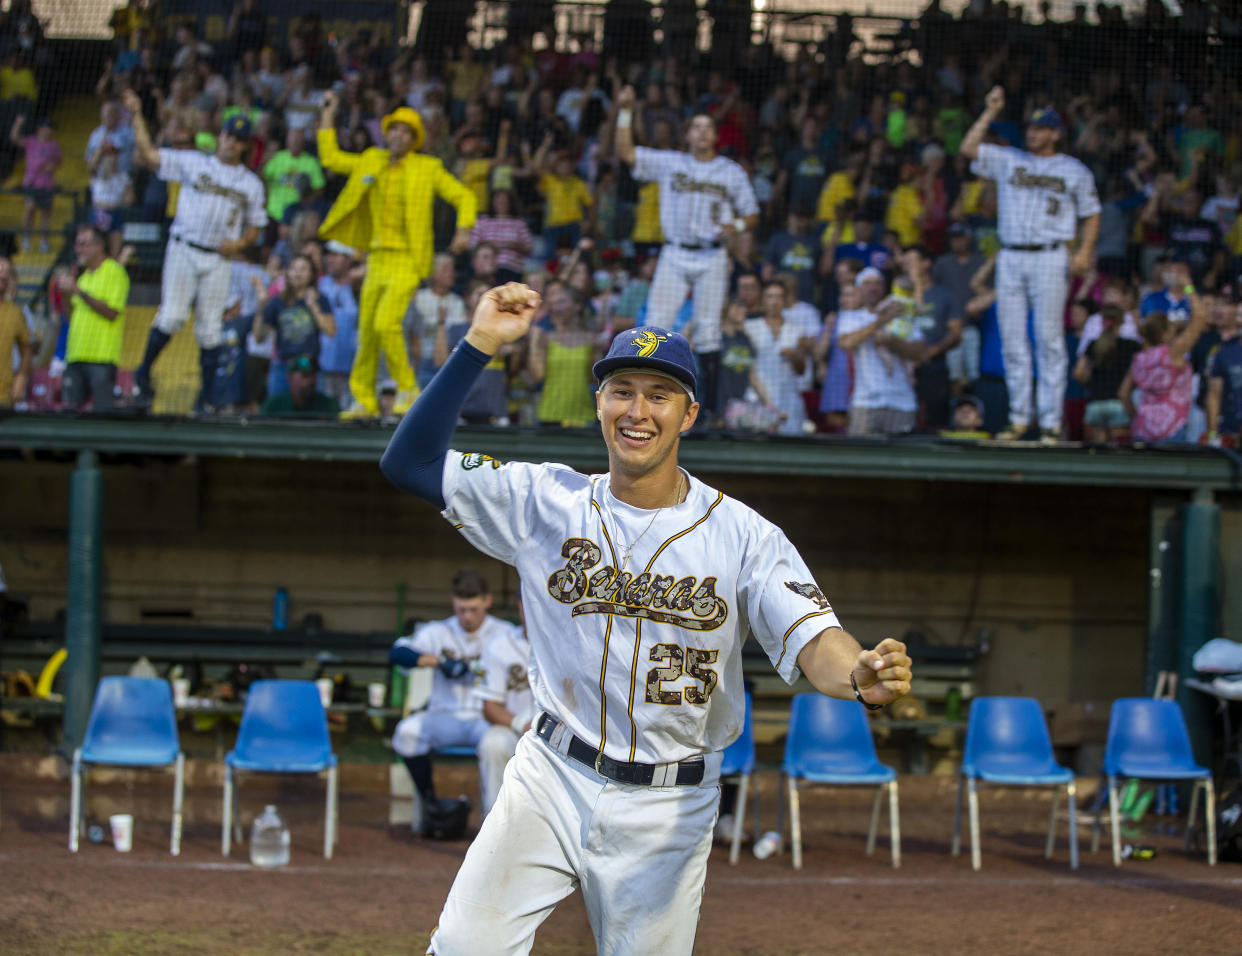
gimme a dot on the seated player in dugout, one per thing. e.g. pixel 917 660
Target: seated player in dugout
pixel 454 715
pixel 638 586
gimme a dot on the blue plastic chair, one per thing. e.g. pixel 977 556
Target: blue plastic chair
pixel 830 742
pixel 738 762
pixel 456 750
pixel 1147 739
pixel 284 729
pixel 1007 743
pixel 132 724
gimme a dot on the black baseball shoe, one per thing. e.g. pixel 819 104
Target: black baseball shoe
pixel 141 396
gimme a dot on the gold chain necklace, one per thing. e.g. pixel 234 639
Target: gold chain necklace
pixel 629 550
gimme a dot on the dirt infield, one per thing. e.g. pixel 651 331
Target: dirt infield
pixel 383 890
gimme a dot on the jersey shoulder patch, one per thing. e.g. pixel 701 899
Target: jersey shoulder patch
pixel 810 592
pixel 472 460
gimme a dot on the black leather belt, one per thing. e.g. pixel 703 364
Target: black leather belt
pixel 1044 248
pixel 698 246
pixel 195 245
pixel 689 772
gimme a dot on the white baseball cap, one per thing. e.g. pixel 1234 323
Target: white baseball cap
pixel 332 245
pixel 871 272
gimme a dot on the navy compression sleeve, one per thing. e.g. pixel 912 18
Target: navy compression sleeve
pixel 403 656
pixel 414 458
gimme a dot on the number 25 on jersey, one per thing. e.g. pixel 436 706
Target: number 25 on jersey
pixel 675 660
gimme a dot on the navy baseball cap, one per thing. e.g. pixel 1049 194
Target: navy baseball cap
pixel 650 349
pixel 1046 117
pixel 237 125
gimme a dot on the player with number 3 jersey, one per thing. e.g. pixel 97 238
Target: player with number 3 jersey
pixel 639 587
pixel 1042 197
pixel 220 211
pixel 705 199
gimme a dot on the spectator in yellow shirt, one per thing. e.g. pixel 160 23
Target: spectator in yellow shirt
pixel 568 201
pixel 474 168
pixel 647 234
pixel 97 297
pixel 906 207
pixel 14 334
pixel 17 82
pixel 841 185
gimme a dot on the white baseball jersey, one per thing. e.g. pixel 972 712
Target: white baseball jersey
pixel 448 639
pixel 641 658
pixel 504 674
pixel 216 202
pixel 1039 198
pixel 696 198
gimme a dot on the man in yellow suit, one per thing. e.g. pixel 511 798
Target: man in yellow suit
pixel 386 208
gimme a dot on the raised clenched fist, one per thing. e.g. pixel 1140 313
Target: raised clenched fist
pixel 995 100
pixel 503 315
pixel 514 297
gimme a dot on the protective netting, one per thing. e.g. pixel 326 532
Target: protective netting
pixel 848 127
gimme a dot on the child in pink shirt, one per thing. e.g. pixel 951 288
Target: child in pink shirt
pixel 43 156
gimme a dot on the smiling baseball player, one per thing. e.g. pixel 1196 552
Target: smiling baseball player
pixel 639 587
pixel 1042 196
pixel 220 211
pixel 704 199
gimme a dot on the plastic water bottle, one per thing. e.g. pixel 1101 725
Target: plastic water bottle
pixel 280 610
pixel 767 845
pixel 269 839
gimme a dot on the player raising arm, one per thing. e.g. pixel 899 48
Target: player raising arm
pixel 220 211
pixel 705 199
pixel 1044 199
pixel 639 587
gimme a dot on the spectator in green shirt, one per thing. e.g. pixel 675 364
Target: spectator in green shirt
pixel 97 297
pixel 303 398
pixel 281 171
pixel 1196 142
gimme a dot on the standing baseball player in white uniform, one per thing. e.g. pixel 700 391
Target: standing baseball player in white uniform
pixel 639 587
pixel 1043 197
pixel 503 686
pixel 220 211
pixel 454 715
pixel 704 199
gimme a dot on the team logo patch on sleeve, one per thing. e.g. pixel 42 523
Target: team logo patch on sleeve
pixel 809 591
pixel 475 460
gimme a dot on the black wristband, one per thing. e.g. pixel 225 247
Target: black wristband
pixel 859 696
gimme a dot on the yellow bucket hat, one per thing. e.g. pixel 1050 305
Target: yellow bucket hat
pixel 403 114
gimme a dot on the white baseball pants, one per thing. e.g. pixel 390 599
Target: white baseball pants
pixel 496 749
pixel 423 732
pixel 639 855
pixel 193 279
pixel 678 271
pixel 1035 282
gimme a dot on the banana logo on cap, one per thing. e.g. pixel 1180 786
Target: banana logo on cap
pixel 648 342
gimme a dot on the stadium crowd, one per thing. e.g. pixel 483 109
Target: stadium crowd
pixel 868 209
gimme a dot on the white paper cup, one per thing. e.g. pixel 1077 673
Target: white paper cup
pixel 181 691
pixel 325 691
pixel 122 831
pixel 375 694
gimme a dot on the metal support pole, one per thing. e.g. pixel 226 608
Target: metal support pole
pixel 1200 611
pixel 1167 537
pixel 83 619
